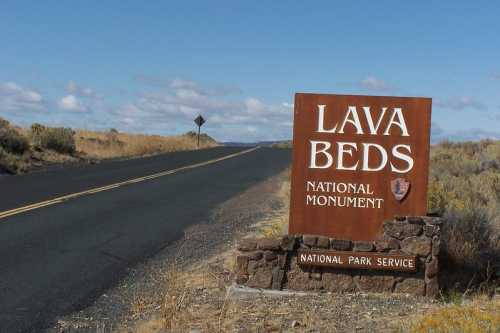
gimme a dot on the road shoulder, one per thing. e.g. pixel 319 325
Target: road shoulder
pixel 203 251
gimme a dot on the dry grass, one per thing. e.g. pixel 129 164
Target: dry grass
pixel 479 315
pixel 182 309
pixel 277 224
pixel 22 149
pixel 102 145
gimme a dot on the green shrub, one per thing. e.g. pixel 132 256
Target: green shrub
pixel 4 123
pixel 191 134
pixel 12 163
pixel 11 140
pixel 204 138
pixel 59 139
pixel 464 187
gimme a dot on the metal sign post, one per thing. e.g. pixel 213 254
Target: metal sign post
pixel 199 121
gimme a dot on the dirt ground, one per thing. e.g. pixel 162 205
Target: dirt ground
pixel 184 288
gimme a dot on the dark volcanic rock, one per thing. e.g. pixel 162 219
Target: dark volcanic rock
pixel 256 255
pixel 270 255
pixel 420 246
pixel 323 242
pixel 385 243
pixel 340 244
pixel 242 265
pixel 338 282
pixel 376 283
pixel 309 240
pixel 360 246
pixel 436 245
pixel 269 244
pixel 262 278
pixel 401 230
pixel 278 276
pixel 415 220
pixel 288 243
pixel 432 267
pixel 432 287
pixel 247 245
pixel 412 286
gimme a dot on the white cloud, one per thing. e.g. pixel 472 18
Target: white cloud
pixel 171 108
pixel 73 88
pixel 15 98
pixel 71 103
pixel 175 107
pixel 179 83
pixel 372 83
pixel 461 103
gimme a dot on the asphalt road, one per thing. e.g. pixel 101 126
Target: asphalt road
pixel 59 258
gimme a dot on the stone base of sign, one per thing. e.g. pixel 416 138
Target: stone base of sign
pixel 271 263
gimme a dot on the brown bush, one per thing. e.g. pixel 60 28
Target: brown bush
pixel 10 140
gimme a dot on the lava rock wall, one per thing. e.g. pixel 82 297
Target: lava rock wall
pixel 271 263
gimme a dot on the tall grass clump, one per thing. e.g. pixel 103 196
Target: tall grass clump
pixel 464 188
pixel 59 139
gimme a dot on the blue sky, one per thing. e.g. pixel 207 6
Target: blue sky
pixel 152 66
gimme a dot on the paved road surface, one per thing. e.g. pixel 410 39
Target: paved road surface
pixel 59 258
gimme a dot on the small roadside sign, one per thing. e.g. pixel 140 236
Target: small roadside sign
pixel 199 121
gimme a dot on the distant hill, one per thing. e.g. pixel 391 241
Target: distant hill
pixel 278 143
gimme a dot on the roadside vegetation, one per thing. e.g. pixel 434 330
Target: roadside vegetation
pixel 24 149
pixel 13 148
pixel 282 144
pixel 464 188
pixel 478 315
pixel 113 144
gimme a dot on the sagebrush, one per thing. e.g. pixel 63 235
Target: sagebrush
pixel 11 140
pixel 464 188
pixel 60 139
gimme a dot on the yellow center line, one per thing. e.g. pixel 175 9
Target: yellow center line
pixel 67 197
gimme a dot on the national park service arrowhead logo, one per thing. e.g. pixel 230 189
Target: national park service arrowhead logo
pixel 400 188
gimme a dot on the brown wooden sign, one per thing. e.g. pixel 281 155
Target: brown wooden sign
pixel 357 160
pixel 357 260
